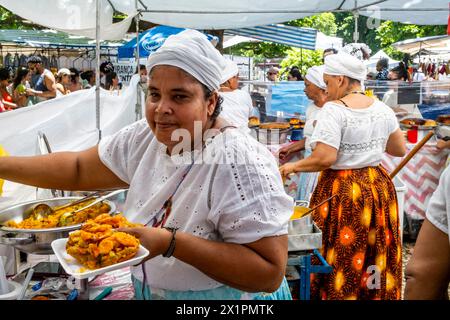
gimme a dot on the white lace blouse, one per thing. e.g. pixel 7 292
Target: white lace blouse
pixel 360 136
pixel 438 211
pixel 234 194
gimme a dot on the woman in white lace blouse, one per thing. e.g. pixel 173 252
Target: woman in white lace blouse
pixel 360 224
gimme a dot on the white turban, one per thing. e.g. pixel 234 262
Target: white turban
pixel 343 64
pixel 231 69
pixel 192 52
pixel 315 75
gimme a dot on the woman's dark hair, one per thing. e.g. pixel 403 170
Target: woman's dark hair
pixel 109 78
pixel 4 74
pixel 383 63
pixel 34 59
pixel 218 108
pixel 106 67
pixel 21 73
pixel 330 50
pixel 141 67
pixel 87 75
pixel 74 75
pixel 401 72
pixel 295 72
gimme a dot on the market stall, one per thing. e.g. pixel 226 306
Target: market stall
pixel 198 14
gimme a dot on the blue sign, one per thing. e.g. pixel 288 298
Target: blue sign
pixel 288 97
pixel 150 41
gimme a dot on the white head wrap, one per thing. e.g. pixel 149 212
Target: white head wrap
pixel 358 50
pixel 231 70
pixel 343 64
pixel 191 51
pixel 315 75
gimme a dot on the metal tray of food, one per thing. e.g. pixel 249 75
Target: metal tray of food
pixel 305 241
pixel 21 211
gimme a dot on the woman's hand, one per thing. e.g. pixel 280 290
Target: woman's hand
pixel 287 169
pixel 155 240
pixel 284 152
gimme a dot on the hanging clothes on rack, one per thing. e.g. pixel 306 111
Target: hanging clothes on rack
pixel 16 61
pixel 54 62
pixel 7 61
pixel 23 60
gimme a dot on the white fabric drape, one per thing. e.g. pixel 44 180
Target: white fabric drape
pixel 76 17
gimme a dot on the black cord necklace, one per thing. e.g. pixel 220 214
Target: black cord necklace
pixel 357 92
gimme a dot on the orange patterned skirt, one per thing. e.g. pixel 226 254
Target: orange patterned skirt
pixel 361 236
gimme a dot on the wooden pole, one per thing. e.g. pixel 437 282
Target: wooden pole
pixel 411 154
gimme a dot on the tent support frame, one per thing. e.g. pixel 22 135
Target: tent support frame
pixel 97 70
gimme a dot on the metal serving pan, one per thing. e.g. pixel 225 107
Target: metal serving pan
pixel 35 241
pixel 306 241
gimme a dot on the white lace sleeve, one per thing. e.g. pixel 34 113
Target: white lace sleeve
pixel 328 129
pixel 438 210
pixel 393 124
pixel 117 152
pixel 248 201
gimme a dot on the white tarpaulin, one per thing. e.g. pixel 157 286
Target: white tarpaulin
pixel 69 125
pixel 72 16
pixel 78 16
pixel 433 44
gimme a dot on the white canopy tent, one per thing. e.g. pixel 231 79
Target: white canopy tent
pixel 434 44
pixel 79 16
pixel 372 62
pixel 94 18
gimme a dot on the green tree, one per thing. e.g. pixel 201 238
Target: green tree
pixel 9 20
pixel 324 22
pixel 346 27
pixel 303 59
pixel 390 32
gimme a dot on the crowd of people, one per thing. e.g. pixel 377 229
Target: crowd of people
pixel 34 83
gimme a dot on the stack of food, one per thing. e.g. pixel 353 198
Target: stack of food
pixel 444 119
pixel 97 244
pixel 275 125
pixel 253 122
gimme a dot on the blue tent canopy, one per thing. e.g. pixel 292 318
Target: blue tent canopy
pixel 150 41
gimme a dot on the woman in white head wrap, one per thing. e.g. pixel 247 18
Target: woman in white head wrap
pixel 360 224
pixel 216 216
pixel 237 104
pixel 315 90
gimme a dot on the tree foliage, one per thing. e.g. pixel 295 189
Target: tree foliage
pixel 9 20
pixel 390 32
pixel 303 59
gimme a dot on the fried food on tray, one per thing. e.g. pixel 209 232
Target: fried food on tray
pixel 253 121
pixel 430 123
pixel 61 218
pixel 275 125
pixel 97 244
pixel 444 119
